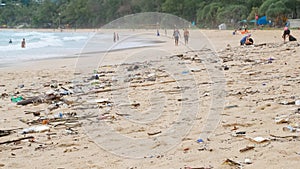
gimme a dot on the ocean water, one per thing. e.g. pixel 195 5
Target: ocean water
pixel 40 45
pixel 44 45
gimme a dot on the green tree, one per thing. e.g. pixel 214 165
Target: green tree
pixel 207 17
pixel 265 6
pixel 294 6
pixel 252 14
pixel 45 15
pixel 232 14
pixel 278 12
pixel 175 7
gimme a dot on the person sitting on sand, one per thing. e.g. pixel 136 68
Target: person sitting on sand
pixel 247 40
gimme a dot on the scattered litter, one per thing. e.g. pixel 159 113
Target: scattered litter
pixel 247 148
pixel 185 72
pixel 200 140
pixel 232 106
pixel 259 139
pixel 154 133
pixel 239 134
pixel 35 129
pixel 231 163
pixel 282 119
pixel 3 95
pixel 226 67
pixel 16 99
pixel 291 129
pixel 238 124
pixel 270 60
pixel 198 167
pixel 21 85
pixel 17 140
pixel 4 133
pixel 99 101
pixel 287 102
pixel 71 131
pixel 289 136
pixel 248 161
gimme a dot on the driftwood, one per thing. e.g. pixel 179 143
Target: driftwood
pixel 7 132
pixel 262 44
pixel 288 136
pixel 231 162
pixel 246 149
pixel 39 99
pixel 152 134
pixel 29 101
pixel 16 140
pixel 4 133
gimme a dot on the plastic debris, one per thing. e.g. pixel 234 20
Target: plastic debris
pixel 36 129
pixel 259 139
pixel 291 129
pixel 248 161
pixel 282 119
pixel 200 140
pixel 16 99
pixel 239 134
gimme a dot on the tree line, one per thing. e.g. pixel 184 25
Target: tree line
pixel 96 13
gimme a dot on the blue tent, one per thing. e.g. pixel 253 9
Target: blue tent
pixel 262 21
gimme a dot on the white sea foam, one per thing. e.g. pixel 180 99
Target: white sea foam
pixel 40 45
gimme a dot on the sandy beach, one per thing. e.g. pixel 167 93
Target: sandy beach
pixel 208 104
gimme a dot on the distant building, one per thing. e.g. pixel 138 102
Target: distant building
pixel 294 23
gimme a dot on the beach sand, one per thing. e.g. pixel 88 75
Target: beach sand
pixel 197 106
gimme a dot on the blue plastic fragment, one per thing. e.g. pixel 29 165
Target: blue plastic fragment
pixel 200 140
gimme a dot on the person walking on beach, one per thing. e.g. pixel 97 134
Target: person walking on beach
pixel 115 37
pixel 10 41
pixel 176 35
pixel 23 43
pixel 186 35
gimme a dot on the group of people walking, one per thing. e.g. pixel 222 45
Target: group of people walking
pixel 176 35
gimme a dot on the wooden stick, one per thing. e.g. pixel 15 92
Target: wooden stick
pixel 246 148
pixel 293 136
pixel 152 134
pixel 16 140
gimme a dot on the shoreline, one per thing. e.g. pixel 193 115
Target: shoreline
pixel 160 82
pixel 217 43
